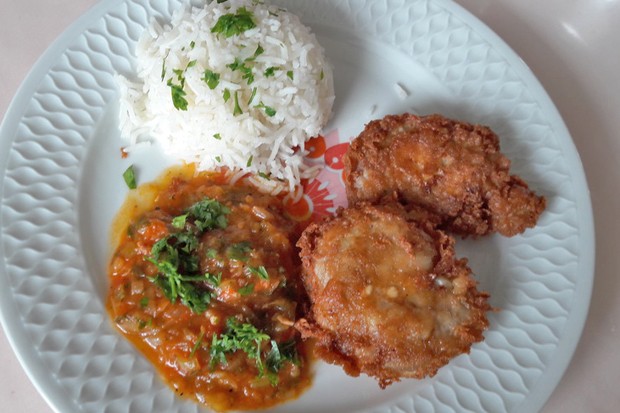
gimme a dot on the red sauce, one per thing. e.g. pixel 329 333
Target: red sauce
pixel 254 257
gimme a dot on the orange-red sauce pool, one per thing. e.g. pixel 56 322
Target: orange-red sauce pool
pixel 204 281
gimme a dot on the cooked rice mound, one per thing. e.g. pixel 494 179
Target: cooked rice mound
pixel 252 97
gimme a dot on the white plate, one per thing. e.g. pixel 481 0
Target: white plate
pixel 60 169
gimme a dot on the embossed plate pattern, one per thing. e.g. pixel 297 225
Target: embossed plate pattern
pixel 60 187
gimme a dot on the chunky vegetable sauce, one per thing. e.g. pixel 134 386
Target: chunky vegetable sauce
pixel 204 282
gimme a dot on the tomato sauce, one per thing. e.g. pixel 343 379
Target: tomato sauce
pixel 212 308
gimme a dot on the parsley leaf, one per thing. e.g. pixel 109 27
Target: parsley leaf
pixel 214 280
pixel 237 110
pixel 234 24
pixel 198 343
pixel 176 259
pixel 252 96
pixel 244 337
pixel 278 355
pixel 177 286
pixel 179 221
pixel 259 51
pixel 245 70
pixel 260 272
pixel 130 177
pixel 239 251
pixel 208 214
pixel 269 111
pixel 270 71
pixel 246 290
pixel 212 79
pixel 178 95
pixel 247 338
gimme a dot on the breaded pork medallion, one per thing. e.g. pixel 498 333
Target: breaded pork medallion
pixel 388 297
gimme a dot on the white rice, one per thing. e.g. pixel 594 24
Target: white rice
pixel 300 91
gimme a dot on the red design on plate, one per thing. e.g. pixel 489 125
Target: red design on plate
pixel 324 193
pixel 314 204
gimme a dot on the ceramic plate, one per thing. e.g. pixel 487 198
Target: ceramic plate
pixel 60 174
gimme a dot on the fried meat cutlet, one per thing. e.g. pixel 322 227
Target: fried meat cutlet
pixel 388 297
pixel 454 169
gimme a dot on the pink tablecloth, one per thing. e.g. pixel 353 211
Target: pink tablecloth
pixel 571 45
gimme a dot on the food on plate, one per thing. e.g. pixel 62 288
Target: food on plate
pixel 205 282
pixel 238 83
pixel 388 297
pixel 454 169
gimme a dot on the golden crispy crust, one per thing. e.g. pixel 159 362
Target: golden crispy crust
pixel 388 298
pixel 453 169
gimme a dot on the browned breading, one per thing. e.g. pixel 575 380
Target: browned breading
pixel 454 169
pixel 388 297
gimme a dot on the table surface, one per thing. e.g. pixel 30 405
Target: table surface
pixel 571 46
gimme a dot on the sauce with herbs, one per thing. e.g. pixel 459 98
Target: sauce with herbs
pixel 205 282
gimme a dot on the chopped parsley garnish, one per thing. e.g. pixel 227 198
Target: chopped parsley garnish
pixel 214 279
pixel 217 136
pixel 212 253
pixel 259 51
pixel 130 177
pixel 163 66
pixel 246 290
pixel 245 70
pixel 218 158
pixel 249 163
pixel 269 111
pixel 198 343
pixel 252 96
pixel 144 301
pixel 234 24
pixel 260 272
pixel 208 214
pixel 239 251
pixel 226 95
pixel 290 74
pixel 247 338
pixel 179 286
pixel 264 175
pixel 163 70
pixel 179 221
pixel 192 44
pixel 237 110
pixel 178 96
pixel 176 260
pixel 322 75
pixel 244 337
pixel 270 71
pixel 278 355
pixel 177 91
pixel 212 79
